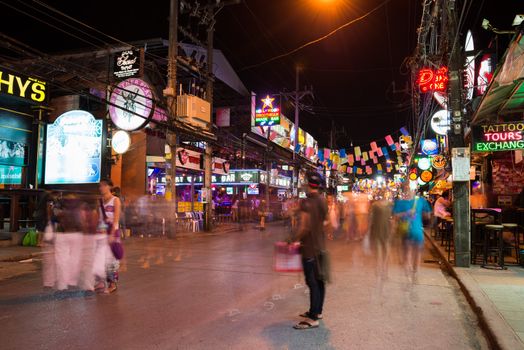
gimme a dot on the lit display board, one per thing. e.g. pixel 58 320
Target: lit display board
pixel 498 137
pixel 73 149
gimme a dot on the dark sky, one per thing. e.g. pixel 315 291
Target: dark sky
pixel 358 76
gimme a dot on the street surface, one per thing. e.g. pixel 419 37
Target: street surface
pixel 220 292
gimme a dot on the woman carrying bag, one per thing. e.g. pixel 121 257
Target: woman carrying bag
pixel 110 208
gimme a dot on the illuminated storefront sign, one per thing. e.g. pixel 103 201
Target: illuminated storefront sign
pixel 267 115
pixel 131 104
pixel 127 63
pixel 429 147
pixel 73 149
pixel 343 188
pixel 485 73
pixel 25 87
pixel 239 177
pixel 430 80
pixel 498 137
pixel 120 142
pixel 12 153
pixel 10 175
pixel 440 122
pixel 438 161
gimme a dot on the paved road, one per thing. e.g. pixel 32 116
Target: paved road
pixel 219 292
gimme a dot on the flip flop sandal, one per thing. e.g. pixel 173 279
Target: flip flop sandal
pixel 305 325
pixel 307 315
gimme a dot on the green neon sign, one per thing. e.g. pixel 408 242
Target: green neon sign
pixel 498 137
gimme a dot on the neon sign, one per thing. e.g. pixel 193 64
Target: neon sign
pixel 267 115
pixel 498 137
pixel 433 80
pixel 25 87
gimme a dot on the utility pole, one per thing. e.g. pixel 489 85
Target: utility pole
pixel 461 202
pixel 208 155
pixel 296 96
pixel 170 93
pixel 296 164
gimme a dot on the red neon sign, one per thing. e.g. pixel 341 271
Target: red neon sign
pixel 433 80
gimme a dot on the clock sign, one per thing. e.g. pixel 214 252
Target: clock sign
pixel 131 104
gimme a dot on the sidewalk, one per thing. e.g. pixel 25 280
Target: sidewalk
pixel 496 296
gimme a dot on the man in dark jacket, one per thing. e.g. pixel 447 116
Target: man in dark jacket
pixel 312 214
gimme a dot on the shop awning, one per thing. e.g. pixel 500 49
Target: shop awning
pixel 505 94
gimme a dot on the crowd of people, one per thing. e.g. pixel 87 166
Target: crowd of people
pixel 81 238
pixel 376 219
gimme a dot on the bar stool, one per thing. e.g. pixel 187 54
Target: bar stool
pixel 448 224
pixel 514 229
pixel 497 249
pixel 477 240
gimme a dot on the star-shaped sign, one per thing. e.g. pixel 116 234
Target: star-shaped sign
pixel 268 102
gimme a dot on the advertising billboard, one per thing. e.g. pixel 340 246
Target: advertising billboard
pixel 73 149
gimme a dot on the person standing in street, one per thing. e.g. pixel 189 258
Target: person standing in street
pixel 312 214
pixel 110 208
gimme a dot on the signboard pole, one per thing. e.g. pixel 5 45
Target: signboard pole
pixel 170 93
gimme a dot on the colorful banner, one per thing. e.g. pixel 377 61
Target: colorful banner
pixel 351 159
pixel 358 153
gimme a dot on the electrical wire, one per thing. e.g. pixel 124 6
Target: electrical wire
pixel 315 41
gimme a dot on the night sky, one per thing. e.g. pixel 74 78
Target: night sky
pixel 358 75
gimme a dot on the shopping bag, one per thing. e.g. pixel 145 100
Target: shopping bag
pixel 287 257
pixel 323 263
pixel 30 239
pixel 117 248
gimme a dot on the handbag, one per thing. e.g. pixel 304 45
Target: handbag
pixel 404 223
pixel 117 248
pixel 323 263
pixel 287 257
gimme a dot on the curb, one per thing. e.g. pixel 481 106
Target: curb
pixel 498 333
pixel 17 258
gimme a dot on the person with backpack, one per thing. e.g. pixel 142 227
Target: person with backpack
pixel 312 214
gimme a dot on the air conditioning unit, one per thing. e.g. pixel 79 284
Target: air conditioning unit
pixel 194 111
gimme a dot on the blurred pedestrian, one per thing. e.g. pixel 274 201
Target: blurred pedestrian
pixel 48 221
pixel 361 214
pixel 442 205
pixel 349 226
pixel 333 221
pixel 380 232
pixel 91 219
pixel 409 211
pixel 110 215
pixel 313 213
pixel 234 209
pixel 68 242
